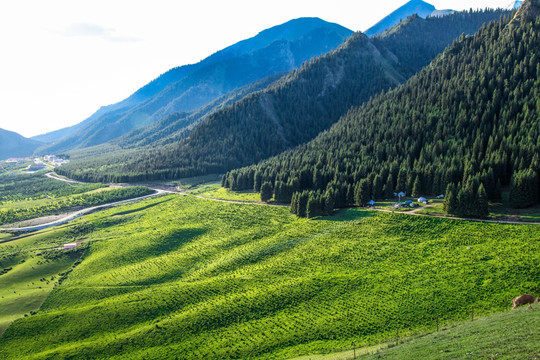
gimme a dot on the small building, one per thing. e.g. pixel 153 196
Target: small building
pixel 70 246
pixel 401 194
pixel 372 203
pixel 422 200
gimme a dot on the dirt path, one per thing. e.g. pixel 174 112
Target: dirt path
pixel 415 213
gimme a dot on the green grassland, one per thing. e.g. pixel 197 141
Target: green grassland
pixel 188 278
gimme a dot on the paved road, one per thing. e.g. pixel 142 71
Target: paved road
pixel 76 214
pixel 56 177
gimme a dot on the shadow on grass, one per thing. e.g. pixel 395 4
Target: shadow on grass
pixel 141 208
pixel 349 214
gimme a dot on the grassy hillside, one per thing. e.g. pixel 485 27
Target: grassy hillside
pixel 180 277
pixel 31 266
pixel 510 335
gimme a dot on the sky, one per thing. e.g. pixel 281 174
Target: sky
pixel 61 60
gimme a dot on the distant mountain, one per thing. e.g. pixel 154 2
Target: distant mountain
pixel 184 89
pixel 294 109
pixel 15 145
pixel 514 5
pixel 419 7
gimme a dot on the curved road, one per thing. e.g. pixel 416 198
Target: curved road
pixel 76 214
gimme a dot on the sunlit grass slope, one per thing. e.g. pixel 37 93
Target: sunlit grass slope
pixel 30 267
pixel 509 335
pixel 180 277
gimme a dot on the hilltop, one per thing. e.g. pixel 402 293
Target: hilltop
pixel 187 88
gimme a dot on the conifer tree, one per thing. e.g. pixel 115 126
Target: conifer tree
pixel 266 191
pixel 416 187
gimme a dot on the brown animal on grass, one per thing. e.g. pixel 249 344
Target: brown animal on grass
pixel 523 299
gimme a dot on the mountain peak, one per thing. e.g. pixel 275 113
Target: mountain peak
pixel 514 5
pixel 419 7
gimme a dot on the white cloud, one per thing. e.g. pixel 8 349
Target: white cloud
pixel 93 30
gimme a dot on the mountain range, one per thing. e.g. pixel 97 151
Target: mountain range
pixel 292 110
pixel 187 88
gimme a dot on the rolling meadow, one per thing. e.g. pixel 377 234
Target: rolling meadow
pixel 188 278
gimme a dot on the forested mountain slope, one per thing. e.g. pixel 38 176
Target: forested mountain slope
pixel 470 120
pixel 178 125
pixel 163 133
pixel 296 108
pixel 279 49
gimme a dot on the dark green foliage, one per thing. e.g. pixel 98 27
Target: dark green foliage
pixel 417 189
pixel 362 193
pixel 524 191
pixel 471 118
pixel 266 191
pixel 482 201
pixel 293 110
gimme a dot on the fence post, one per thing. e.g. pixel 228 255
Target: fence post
pixel 437 324
pixel 472 314
pixel 397 336
pixel 354 349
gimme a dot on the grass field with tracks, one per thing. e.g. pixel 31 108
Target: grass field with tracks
pixel 187 278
